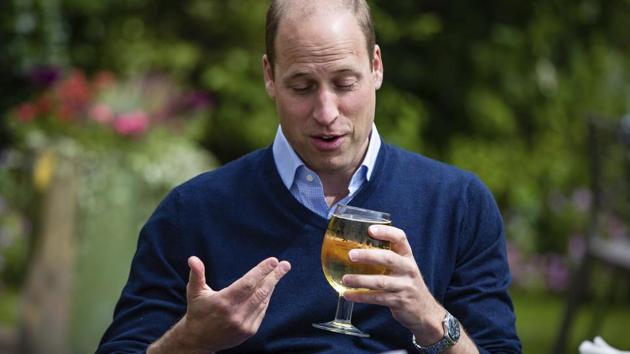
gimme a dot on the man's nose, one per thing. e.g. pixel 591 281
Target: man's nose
pixel 326 110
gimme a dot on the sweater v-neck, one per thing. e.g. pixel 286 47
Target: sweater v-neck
pixel 281 197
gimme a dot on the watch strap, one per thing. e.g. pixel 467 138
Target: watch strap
pixel 446 341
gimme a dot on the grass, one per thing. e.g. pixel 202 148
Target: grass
pixel 538 317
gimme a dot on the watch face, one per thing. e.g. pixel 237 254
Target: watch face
pixel 453 328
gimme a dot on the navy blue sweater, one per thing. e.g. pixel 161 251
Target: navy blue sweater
pixel 236 216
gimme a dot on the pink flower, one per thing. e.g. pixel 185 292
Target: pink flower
pixel 131 123
pixel 101 113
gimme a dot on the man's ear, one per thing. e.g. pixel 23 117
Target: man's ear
pixel 377 67
pixel 268 75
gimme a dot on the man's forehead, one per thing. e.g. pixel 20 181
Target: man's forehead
pixel 312 43
pixel 342 63
pixel 307 8
pixel 318 27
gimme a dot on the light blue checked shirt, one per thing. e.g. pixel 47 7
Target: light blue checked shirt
pixel 305 184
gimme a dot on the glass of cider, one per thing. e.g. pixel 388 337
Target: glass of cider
pixel 347 230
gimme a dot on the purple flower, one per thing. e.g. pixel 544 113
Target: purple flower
pixel 557 273
pixel 615 227
pixel 44 75
pixel 577 246
pixel 514 257
pixel 196 100
pixel 582 199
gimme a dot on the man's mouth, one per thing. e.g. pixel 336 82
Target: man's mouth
pixel 327 142
pixel 329 137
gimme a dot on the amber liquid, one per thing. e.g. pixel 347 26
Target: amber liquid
pixel 341 236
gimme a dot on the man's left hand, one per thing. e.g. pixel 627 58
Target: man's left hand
pixel 402 289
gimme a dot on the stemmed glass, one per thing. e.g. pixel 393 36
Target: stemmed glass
pixel 348 229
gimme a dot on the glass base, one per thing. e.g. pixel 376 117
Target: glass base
pixel 340 327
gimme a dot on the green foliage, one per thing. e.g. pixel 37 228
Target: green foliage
pixel 400 118
pixel 502 88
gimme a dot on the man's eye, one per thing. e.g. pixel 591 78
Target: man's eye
pixel 346 85
pixel 301 88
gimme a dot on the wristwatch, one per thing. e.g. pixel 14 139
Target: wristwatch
pixel 451 336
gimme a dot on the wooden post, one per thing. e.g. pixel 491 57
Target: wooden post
pixel 44 322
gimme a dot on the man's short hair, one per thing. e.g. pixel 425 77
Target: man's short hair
pixel 360 9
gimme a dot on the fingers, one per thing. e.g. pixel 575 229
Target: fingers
pixel 392 292
pixel 259 300
pixel 248 284
pixel 382 298
pixel 396 236
pixel 390 260
pixel 374 282
pixel 235 313
pixel 395 301
pixel 265 288
pixel 196 277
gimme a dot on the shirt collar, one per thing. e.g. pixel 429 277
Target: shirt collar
pixel 287 160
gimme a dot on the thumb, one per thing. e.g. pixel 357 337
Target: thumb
pixel 197 277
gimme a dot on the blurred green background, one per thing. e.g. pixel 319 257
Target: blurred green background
pixel 124 99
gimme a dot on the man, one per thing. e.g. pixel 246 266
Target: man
pixel 447 260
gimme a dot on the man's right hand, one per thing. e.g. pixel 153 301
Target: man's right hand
pixel 216 320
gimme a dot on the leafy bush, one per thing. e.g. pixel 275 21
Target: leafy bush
pixel 501 89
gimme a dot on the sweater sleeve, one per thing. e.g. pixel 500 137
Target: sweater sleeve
pixel 154 297
pixel 478 291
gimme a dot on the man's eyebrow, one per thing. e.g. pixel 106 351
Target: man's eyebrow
pixel 347 71
pixel 305 74
pixel 297 75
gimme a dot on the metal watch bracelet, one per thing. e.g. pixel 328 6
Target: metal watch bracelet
pixel 452 333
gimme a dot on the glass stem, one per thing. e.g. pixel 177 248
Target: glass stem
pixel 344 311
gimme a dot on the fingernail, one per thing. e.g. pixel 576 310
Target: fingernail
pixel 374 229
pixel 353 255
pixel 285 266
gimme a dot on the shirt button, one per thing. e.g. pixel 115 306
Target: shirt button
pixel 309 178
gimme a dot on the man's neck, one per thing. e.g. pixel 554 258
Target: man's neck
pixel 335 185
